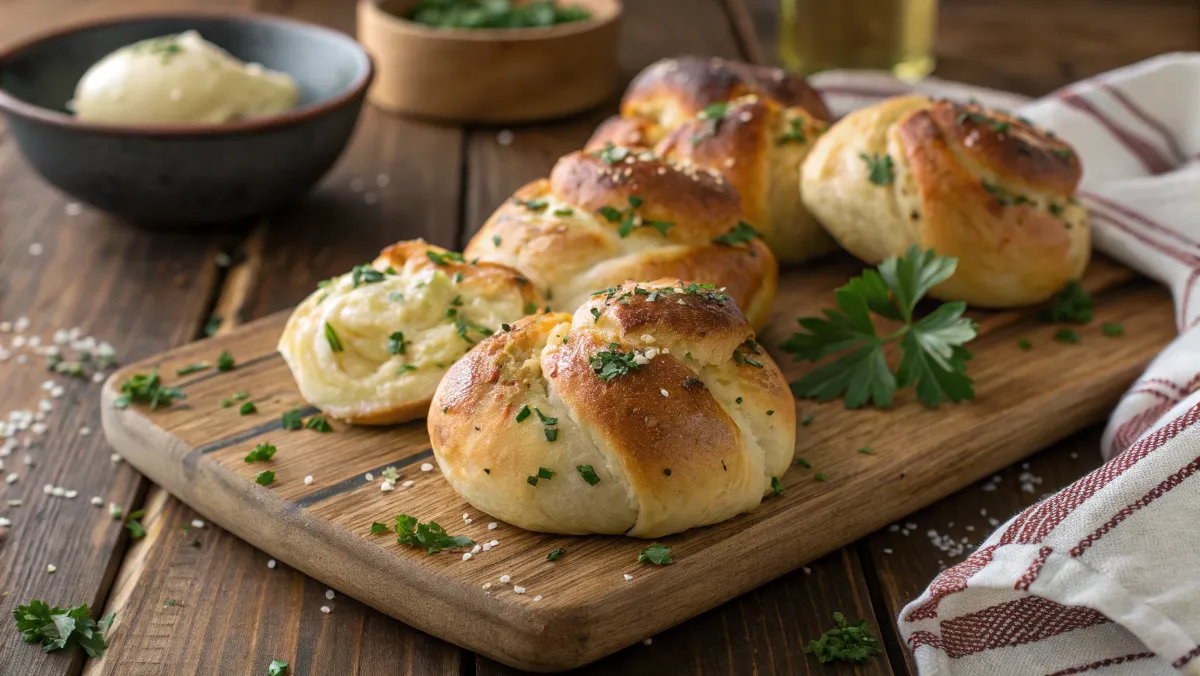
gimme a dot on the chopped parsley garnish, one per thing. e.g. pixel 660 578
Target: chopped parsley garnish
pixel 611 154
pixel 530 308
pixel 879 168
pixel 806 420
pixel 248 408
pixel 794 133
pixel 611 363
pixel 628 219
pixel 225 361
pixel 444 258
pixel 276 668
pixel 365 274
pixel 265 478
pixel 261 453
pixel 845 642
pixel 544 473
pixel 656 554
pixel 147 388
pixel 595 315
pixel 1112 329
pixel 742 233
pixel 804 463
pixel 377 528
pixel 428 536
pixel 713 114
pixel 212 325
pixel 1072 305
pixel 391 474
pixel 589 475
pixel 396 296
pixel 318 423
pixel 776 485
pixel 546 420
pixel 1054 209
pixel 471 14
pixel 134 525
pixel 292 420
pixel 62 628
pixel 192 368
pixel 742 354
pixel 563 211
pixel 866 451
pixel 397 344
pixel 335 343
pixel 523 414
pixel 1003 197
pixel 532 205
pixel 1062 153
pixel 932 354
pixel 496 240
pixel 738 400
pixel 1070 336
pixel 819 476
pixel 556 554
pixel 770 412
pixel 1024 344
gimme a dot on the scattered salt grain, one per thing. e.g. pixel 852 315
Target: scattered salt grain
pixel 504 579
pixel 887 550
pixel 993 522
pixel 369 477
pixel 1074 455
pixel 386 486
pixel 466 556
pixel 538 597
pixel 487 585
pixel 197 523
pixel 329 594
pixel 58 491
pixel 271 563
pixel 894 528
pixel 426 467
pixel 806 569
pixel 493 525
pixel 11 479
pixel 325 609
pixel 505 137
pixel 518 589
pixel 74 208
pixel 664 392
pixel 85 431
pixel 36 249
pixel 408 483
pixel 71 494
pixel 97 501
pixel 15 503
pixel 647 641
pixel 628 577
pixel 50 567
pixel 115 457
pixel 308 480
pixel 983 511
pixel 4 522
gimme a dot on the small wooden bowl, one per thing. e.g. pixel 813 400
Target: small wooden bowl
pixel 490 76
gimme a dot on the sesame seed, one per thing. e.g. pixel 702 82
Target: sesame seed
pixel 493 525
pixel 518 589
pixel 50 567
pixel 329 594
pixel 628 577
pixel 505 578
pixel 664 392
pixel 271 563
pixel 426 467
pixel 325 609
pixel 308 480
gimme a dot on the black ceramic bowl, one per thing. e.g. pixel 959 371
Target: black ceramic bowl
pixel 186 174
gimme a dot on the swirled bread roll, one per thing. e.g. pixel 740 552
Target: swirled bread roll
pixel 982 186
pixel 754 124
pixel 370 346
pixel 650 411
pixel 606 217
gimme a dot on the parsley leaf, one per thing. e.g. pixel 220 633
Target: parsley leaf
pixel 240 396
pixel 192 368
pixel 62 628
pixel 292 420
pixel 225 361
pixel 879 168
pixel 331 336
pixel 776 485
pixel 136 530
pixel 147 388
pixel 364 274
pixel 932 356
pixel 1070 336
pixel 523 414
pixel 265 478
pixel 397 344
pixel 713 114
pixel 1072 305
pixel 444 258
pixel 318 423
pixel 656 554
pixel 532 205
pixel 742 233
pixel 276 668
pixel 794 134
pixel 1112 329
pixel 845 642
pixel 248 408
pixel 589 475
pixel 611 363
pixel 377 528
pixel 428 536
pixel 261 453
pixel 627 219
pixel 556 554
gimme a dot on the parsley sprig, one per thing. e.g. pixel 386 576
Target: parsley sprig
pixel 147 388
pixel 62 628
pixel 845 642
pixel 628 219
pixel 611 363
pixel 932 354
pixel 656 554
pixel 428 536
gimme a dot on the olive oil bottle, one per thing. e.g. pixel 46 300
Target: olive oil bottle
pixel 895 35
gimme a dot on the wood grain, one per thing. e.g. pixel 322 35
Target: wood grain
pixel 141 291
pixel 196 451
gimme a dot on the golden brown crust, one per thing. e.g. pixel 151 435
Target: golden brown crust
pixel 984 187
pixel 561 232
pixel 687 435
pixel 628 132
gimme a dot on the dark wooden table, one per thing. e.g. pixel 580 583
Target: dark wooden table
pixel 229 613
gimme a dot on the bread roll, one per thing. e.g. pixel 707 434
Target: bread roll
pixel 754 124
pixel 982 186
pixel 370 346
pixel 650 411
pixel 614 215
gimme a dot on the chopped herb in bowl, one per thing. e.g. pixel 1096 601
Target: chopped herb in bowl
pixel 494 14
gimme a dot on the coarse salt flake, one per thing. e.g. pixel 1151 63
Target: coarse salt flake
pixel 50 567
pixel 466 556
pixel 504 579
pixel 97 501
pixel 493 525
pixel 308 480
pixel 197 523
pixel 369 477
pixel 518 589
pixel 271 563
pixel 325 609
pixel 628 577
pixel 426 467
pixel 386 486
pixel 329 594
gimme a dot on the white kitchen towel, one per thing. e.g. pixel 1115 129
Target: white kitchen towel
pixel 1104 576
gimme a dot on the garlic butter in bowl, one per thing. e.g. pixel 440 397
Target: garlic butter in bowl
pixel 179 79
pixel 184 119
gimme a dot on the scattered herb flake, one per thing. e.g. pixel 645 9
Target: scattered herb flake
pixel 656 554
pixel 589 475
pixel 192 368
pixel 377 528
pixel 261 453
pixel 428 536
pixel 397 344
pixel 879 168
pixel 276 668
pixel 265 478
pixel 845 642
pixel 819 476
pixel 365 274
pixel 292 420
pixel 444 259
pixel 612 363
pixel 318 423
pixel 1024 344
pixel 1112 329
pixel 523 413
pixel 225 361
pixel 776 486
pixel 248 408
pixel 147 388
pixel 556 554
pixel 335 343
pixel 866 451
pixel 742 233
pixel 804 463
pixel 1067 336
pixel 1072 305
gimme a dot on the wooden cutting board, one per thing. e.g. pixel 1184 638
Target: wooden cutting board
pixel 581 607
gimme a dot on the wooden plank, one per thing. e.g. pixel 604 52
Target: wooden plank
pixel 1028 46
pixel 399 179
pixel 140 290
pixel 196 450
pixel 900 563
pixel 761 632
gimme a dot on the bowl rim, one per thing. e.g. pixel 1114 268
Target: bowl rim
pixel 356 89
pixel 507 35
